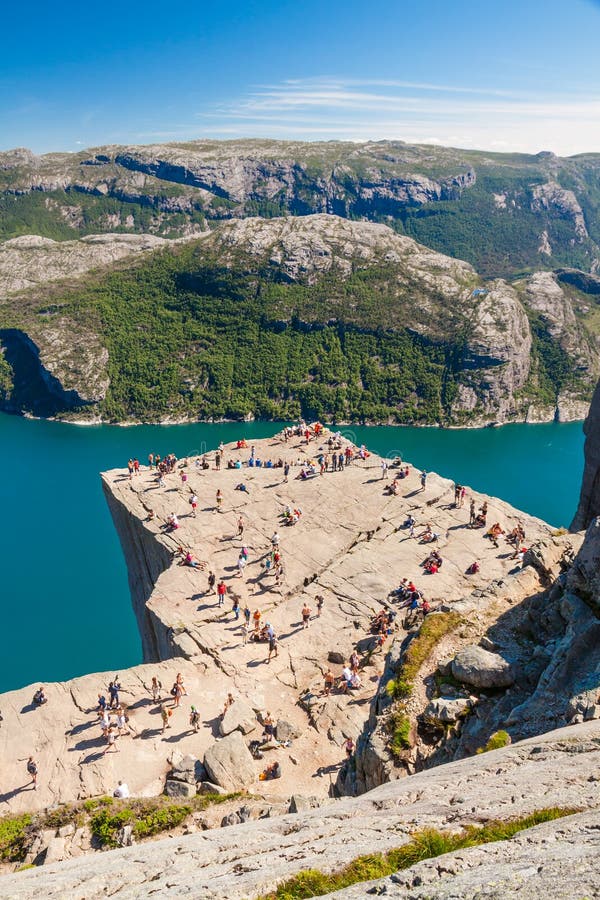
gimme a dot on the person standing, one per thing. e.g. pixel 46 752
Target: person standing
pixel 212 578
pixel 221 591
pixel 195 719
pixel 273 649
pixel 111 741
pixel 320 602
pixel 33 771
pixel 240 527
pixel 286 472
pixel 306 611
pixel 194 504
pixel 241 565
pixel 472 512
pixel 113 689
pixel 423 479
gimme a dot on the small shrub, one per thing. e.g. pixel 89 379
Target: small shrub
pixel 498 740
pixel 161 819
pixel 105 825
pixel 12 837
pixel 94 802
pixel 63 815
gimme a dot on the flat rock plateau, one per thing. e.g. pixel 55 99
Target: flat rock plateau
pixel 518 651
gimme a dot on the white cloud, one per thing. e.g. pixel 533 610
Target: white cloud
pixel 375 109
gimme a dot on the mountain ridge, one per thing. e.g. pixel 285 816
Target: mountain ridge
pixel 504 213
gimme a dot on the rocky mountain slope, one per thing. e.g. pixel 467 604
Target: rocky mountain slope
pixel 509 647
pixel 504 213
pixel 313 315
pixel 248 861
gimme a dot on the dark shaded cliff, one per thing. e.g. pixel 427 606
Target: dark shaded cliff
pixel 589 499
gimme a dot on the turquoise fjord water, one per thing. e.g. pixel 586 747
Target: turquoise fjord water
pixel 65 600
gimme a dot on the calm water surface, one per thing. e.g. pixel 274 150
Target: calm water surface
pixel 64 595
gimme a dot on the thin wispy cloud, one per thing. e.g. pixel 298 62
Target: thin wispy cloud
pixel 372 109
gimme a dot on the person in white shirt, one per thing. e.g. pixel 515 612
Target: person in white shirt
pixel 121 791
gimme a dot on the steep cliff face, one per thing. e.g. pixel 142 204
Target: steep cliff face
pixel 589 499
pixel 146 558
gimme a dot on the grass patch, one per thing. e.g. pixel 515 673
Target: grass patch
pixel 399 688
pixel 433 629
pixel 497 740
pixel 105 817
pixel 400 731
pixel 147 817
pixel 426 844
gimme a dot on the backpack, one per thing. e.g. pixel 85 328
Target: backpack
pixel 174 691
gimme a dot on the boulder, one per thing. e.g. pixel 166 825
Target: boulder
pixel 207 787
pixel 126 836
pixel 300 804
pixel 444 666
pixel 187 768
pixel 229 763
pixel 482 669
pixel 55 851
pixel 179 788
pixel 239 717
pixel 285 731
pixel 446 710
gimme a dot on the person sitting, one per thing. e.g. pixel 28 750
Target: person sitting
pixel 494 533
pixel 242 487
pixel 188 560
pixel 121 792
pixel 345 679
pixel 205 463
pixel 172 521
pixel 428 536
pixel 355 681
pixel 273 770
pixel 473 568
pixel 39 697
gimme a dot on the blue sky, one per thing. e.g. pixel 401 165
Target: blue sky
pixel 499 76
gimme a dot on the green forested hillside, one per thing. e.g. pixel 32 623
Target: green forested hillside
pixel 190 337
